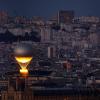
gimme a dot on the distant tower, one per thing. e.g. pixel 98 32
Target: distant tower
pixel 3 17
pixel 65 17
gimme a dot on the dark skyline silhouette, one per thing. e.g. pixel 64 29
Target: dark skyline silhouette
pixel 48 8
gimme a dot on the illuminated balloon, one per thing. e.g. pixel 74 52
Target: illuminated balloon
pixel 23 55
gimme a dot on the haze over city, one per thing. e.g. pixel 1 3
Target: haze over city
pixel 48 8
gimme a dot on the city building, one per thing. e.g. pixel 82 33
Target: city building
pixel 3 17
pixel 87 19
pixel 45 34
pixel 65 16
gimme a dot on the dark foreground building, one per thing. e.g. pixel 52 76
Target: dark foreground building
pixel 20 90
pixel 50 94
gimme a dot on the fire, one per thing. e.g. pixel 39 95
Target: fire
pixel 23 59
pixel 23 62
pixel 24 71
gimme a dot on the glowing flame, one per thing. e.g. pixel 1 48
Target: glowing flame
pixel 24 71
pixel 23 61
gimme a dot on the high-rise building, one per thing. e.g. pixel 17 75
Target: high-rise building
pixel 45 34
pixel 3 17
pixel 65 16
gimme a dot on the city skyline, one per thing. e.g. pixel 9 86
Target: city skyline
pixel 48 9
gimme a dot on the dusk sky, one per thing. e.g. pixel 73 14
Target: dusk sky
pixel 48 8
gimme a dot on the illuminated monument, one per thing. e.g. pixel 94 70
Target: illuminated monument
pixel 23 55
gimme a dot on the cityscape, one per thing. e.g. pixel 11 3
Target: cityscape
pixel 65 62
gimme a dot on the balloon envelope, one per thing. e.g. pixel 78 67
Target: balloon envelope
pixel 23 50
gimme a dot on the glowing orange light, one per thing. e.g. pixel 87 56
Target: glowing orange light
pixel 23 62
pixel 23 59
pixel 24 71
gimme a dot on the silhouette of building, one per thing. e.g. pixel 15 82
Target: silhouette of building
pixel 3 17
pixel 12 94
pixel 65 16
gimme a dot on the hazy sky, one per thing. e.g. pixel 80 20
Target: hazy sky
pixel 48 8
